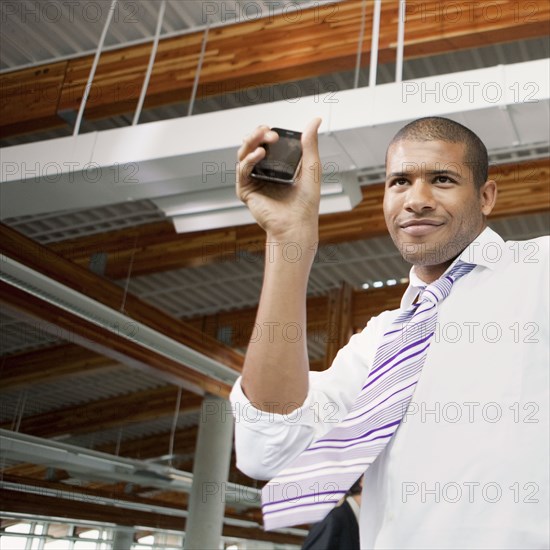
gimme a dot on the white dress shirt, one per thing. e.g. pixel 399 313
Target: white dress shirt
pixel 354 505
pixel 469 465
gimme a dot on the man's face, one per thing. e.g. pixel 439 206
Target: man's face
pixel 432 208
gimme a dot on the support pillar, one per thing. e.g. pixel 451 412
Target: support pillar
pixel 123 538
pixel 256 545
pixel 210 472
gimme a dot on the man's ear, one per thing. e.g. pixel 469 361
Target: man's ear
pixel 488 195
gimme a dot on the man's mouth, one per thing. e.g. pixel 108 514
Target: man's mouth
pixel 421 227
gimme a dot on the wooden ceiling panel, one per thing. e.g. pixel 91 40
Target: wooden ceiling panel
pixel 30 98
pixel 108 413
pixel 50 364
pixel 524 188
pixel 23 250
pixel 155 446
pixel 319 41
pixel 100 339
pixel 90 509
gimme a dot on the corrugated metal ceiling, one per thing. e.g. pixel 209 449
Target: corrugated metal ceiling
pixel 42 32
pixel 70 392
pixel 230 285
pixel 463 60
pixel 135 431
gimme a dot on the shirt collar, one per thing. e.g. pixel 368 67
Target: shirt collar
pixel 486 250
pixel 354 506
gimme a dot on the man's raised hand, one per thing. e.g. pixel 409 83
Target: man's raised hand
pixel 283 211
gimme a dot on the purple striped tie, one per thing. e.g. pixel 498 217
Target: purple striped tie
pixel 309 487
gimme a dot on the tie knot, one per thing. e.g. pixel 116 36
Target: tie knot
pixel 440 289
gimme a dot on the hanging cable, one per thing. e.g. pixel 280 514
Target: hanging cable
pixel 19 409
pixel 93 69
pixel 174 426
pixel 360 43
pixel 151 63
pixel 199 68
pixel 118 441
pixel 374 43
pixel 400 42
pixel 127 283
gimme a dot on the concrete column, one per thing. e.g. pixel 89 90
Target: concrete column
pixel 210 472
pixel 256 545
pixel 123 538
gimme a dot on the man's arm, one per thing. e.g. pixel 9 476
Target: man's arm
pixel 276 366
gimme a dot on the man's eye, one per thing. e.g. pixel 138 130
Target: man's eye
pixel 443 179
pixel 399 182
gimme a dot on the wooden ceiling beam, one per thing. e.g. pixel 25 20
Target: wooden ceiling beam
pixel 68 326
pixel 68 361
pixel 237 325
pixel 34 471
pixel 127 350
pixel 94 490
pixel 89 509
pixel 314 42
pixel 364 305
pixel 338 321
pixel 155 446
pixel 51 364
pixel 40 505
pixel 33 504
pixel 104 414
pixel 524 188
pixel 184 442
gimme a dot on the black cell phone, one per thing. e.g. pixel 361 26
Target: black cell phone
pixel 282 160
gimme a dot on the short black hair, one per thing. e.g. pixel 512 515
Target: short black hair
pixel 436 128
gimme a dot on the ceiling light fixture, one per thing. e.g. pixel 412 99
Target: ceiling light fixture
pixel 220 207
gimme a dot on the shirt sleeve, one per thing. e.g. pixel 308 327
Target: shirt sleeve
pixel 266 441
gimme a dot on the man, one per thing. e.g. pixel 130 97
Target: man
pixel 340 529
pixel 468 465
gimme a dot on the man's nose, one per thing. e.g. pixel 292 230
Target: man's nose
pixel 419 197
